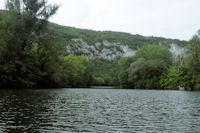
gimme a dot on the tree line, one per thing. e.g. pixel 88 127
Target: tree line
pixel 154 67
pixel 33 55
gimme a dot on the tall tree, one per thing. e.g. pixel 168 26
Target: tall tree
pixel 145 68
pixel 149 63
pixel 194 52
pixel 194 59
pixel 21 31
pixel 123 72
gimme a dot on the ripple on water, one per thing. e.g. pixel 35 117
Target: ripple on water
pixel 99 110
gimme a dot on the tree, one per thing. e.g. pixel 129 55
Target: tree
pixel 149 63
pixel 105 72
pixel 123 71
pixel 77 71
pixel 20 32
pixel 145 68
pixel 193 51
pixel 178 76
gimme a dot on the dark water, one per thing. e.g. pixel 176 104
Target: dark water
pixel 99 110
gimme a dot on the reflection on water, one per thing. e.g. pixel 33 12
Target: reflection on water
pixel 99 110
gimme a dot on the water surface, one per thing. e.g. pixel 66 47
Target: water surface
pixel 99 110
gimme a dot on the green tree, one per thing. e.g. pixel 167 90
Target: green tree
pixel 77 71
pixel 123 72
pixel 193 60
pixel 193 50
pixel 145 68
pixel 98 81
pixel 149 63
pixel 106 71
pixel 178 76
pixel 21 30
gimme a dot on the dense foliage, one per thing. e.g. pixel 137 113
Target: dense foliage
pixel 154 68
pixel 145 68
pixel 193 60
pixel 123 72
pixel 76 71
pixel 19 65
pixel 175 77
pixel 104 72
pixel 186 75
pixel 30 52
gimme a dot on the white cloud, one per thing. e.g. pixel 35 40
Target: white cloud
pixel 167 18
pixel 2 5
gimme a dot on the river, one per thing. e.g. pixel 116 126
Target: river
pixel 99 110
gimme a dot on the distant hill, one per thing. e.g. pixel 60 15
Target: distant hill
pixel 108 44
pixel 105 47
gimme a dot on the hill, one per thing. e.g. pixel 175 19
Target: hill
pixel 107 44
pixel 104 48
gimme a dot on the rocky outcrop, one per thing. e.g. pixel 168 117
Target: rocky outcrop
pixel 111 50
pixel 180 88
pixel 105 49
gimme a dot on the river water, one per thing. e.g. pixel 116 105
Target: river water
pixel 99 110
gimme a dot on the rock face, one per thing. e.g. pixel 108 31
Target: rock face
pixel 105 50
pixel 111 50
pixel 177 50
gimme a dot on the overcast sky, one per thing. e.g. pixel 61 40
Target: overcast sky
pixel 166 18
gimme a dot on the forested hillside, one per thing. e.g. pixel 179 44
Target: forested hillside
pixel 115 41
pixel 91 37
pixel 104 48
pixel 56 51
